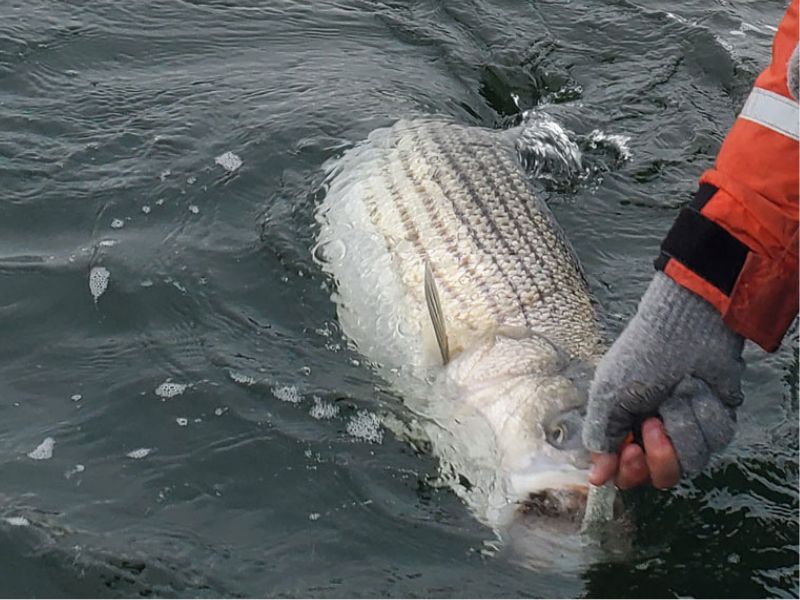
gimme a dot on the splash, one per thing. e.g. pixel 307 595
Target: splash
pixel 98 282
pixel 618 143
pixel 287 393
pixel 43 451
pixel 323 410
pixel 366 426
pixel 169 389
pixel 139 453
pixel 241 378
pixel 546 149
pixel 229 161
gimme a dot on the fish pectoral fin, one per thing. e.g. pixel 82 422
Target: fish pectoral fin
pixel 435 311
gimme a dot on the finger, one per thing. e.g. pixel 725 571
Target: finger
pixel 614 409
pixel 604 466
pixel 633 469
pixel 662 461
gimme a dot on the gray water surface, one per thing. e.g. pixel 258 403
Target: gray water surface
pixel 113 113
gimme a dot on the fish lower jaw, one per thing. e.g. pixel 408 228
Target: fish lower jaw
pixel 524 484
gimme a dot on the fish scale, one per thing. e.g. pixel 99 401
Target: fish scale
pixel 461 198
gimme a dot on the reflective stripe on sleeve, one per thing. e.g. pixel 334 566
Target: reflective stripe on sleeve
pixel 773 111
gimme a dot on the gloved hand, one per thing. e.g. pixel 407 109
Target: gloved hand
pixel 676 359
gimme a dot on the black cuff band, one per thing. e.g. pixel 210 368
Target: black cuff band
pixel 703 246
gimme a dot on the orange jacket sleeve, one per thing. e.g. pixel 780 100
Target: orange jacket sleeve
pixel 736 243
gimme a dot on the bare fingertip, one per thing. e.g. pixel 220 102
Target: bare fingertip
pixel 604 466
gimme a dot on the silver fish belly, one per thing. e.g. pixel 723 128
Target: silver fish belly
pixel 454 201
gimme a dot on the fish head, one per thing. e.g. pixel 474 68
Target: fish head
pixel 533 397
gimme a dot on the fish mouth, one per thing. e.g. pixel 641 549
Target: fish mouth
pixel 567 501
pixel 558 493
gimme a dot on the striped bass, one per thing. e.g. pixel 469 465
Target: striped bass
pixel 455 279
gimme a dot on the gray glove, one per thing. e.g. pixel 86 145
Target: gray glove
pixel 677 359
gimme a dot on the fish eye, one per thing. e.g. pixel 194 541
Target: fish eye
pixel 564 432
pixel 559 434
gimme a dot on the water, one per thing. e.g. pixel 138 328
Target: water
pixel 174 150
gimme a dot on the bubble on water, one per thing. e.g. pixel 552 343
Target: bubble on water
pixel 169 389
pixel 182 421
pixel 76 397
pixel 313 516
pixel 139 453
pixel 406 329
pixel 17 521
pixel 74 471
pixel 323 410
pixel 146 209
pixel 305 370
pixel 193 209
pixel 117 224
pixel 332 251
pixel 241 378
pixel 287 393
pixel 366 426
pixel 98 281
pixel 43 451
pixel 228 161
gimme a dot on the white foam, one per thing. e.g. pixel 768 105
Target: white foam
pixel 618 142
pixel 43 451
pixel 146 209
pixel 323 410
pixel 182 421
pixel 139 453
pixel 98 282
pixel 366 426
pixel 229 161
pixel 313 516
pixel 74 471
pixel 287 393
pixel 170 389
pixel 241 378
pixel 193 209
pixel 17 521
pixel 117 224
pixel 76 397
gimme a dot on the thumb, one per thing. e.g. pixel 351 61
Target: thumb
pixel 613 411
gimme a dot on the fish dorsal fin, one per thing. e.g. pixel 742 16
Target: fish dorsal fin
pixel 435 311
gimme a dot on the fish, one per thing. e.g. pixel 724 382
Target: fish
pixel 454 279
